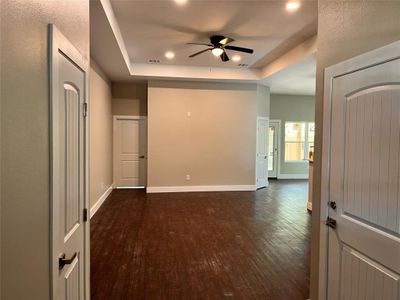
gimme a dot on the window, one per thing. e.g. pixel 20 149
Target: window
pixel 299 139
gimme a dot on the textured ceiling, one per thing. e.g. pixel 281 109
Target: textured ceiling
pixel 150 28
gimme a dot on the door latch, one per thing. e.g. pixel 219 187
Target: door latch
pixel 330 223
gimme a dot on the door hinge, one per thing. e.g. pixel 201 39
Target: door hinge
pixel 330 223
pixel 85 214
pixel 85 109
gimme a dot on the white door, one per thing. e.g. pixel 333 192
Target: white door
pixel 364 249
pixel 130 152
pixel 273 148
pixel 68 165
pixel 262 153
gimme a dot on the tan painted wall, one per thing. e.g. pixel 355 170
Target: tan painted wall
pixel 129 99
pixel 25 126
pixel 263 101
pixel 345 29
pixel 215 145
pixel 291 108
pixel 100 135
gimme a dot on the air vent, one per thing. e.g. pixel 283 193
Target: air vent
pixel 243 65
pixel 154 61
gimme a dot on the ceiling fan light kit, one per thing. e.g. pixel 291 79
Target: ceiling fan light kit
pixel 218 45
pixel 217 51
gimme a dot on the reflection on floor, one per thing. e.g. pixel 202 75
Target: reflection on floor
pixel 225 245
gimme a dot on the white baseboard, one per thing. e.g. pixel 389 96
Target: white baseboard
pixel 101 200
pixel 200 188
pixel 293 176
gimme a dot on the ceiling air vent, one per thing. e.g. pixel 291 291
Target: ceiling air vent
pixel 243 65
pixel 154 61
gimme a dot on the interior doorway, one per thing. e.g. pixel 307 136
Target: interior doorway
pixel 130 157
pixel 273 148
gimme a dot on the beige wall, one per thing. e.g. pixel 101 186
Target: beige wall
pixel 263 101
pixel 25 126
pixel 130 99
pixel 100 134
pixel 215 145
pixel 291 108
pixel 345 29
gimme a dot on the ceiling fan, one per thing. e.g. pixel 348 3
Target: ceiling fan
pixel 218 44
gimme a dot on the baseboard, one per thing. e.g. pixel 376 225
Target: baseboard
pixel 293 176
pixel 200 188
pixel 101 200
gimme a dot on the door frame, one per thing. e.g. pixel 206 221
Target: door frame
pixel 260 118
pixel 278 145
pixel 58 42
pixel 115 161
pixel 357 63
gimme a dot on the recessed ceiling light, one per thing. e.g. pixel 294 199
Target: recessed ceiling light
pixel 181 2
pixel 292 5
pixel 236 58
pixel 217 51
pixel 169 54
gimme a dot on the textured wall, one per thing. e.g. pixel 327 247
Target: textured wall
pixel 263 101
pixel 216 145
pixel 345 29
pixel 100 136
pixel 129 99
pixel 25 203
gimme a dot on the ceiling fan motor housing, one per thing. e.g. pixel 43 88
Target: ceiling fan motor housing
pixel 216 39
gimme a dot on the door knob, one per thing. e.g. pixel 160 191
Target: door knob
pixel 62 261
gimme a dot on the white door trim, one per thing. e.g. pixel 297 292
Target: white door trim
pixel 115 161
pixel 278 146
pixel 259 118
pixel 360 62
pixel 58 42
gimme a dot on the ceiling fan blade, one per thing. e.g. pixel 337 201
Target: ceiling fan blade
pixel 200 52
pixel 224 56
pixel 240 49
pixel 201 44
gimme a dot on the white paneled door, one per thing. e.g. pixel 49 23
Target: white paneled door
pixel 129 152
pixel 262 153
pixel 69 262
pixel 364 181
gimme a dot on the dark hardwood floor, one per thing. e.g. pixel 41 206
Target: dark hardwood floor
pixel 225 245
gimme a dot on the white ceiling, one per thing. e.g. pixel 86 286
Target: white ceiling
pixel 126 34
pixel 150 28
pixel 296 79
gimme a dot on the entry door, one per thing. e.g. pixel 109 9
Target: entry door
pixel 273 142
pixel 68 160
pixel 262 153
pixel 129 149
pixel 364 249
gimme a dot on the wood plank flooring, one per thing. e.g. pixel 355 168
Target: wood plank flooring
pixel 225 245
